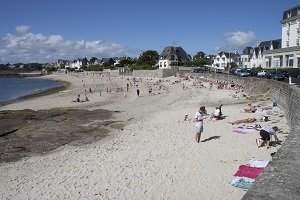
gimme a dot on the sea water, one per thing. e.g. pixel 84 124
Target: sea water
pixel 12 88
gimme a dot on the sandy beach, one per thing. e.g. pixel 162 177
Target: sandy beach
pixel 154 156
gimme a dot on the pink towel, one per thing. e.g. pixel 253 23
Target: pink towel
pixel 250 172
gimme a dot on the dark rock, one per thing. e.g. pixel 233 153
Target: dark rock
pixel 26 132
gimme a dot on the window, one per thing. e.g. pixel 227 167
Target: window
pixel 289 14
pixel 165 64
pixel 298 59
pixel 289 60
pixel 291 63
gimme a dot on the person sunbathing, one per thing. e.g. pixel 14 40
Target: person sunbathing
pixel 249 108
pixel 241 121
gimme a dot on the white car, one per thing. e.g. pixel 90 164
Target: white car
pixel 262 73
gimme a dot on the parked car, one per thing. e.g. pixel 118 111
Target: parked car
pixel 197 70
pixel 252 73
pixel 286 74
pixel 262 73
pixel 237 71
pixel 295 74
pixel 244 73
pixel 278 76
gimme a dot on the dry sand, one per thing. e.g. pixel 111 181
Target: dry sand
pixel 154 157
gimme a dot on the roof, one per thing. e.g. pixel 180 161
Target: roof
pixel 178 51
pixel 248 51
pixel 293 12
pixel 266 45
pixel 256 51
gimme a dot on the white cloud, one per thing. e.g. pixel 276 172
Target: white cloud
pixel 30 47
pixel 239 39
pixel 22 29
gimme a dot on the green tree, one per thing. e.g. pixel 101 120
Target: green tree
pixel 147 60
pixel 126 62
pixel 200 62
pixel 95 68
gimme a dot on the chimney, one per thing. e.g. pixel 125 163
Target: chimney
pixel 258 43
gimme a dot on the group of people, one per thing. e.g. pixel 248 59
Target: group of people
pixel 266 133
pixel 79 100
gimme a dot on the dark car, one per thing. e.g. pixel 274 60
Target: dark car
pixel 197 70
pixel 252 73
pixel 295 74
pixel 278 76
pixel 286 74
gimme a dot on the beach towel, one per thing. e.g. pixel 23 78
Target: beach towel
pixel 242 182
pixel 242 130
pixel 247 129
pixel 247 171
pixel 258 163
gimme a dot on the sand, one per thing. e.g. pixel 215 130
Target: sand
pixel 155 156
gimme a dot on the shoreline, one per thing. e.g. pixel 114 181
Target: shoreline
pixel 46 92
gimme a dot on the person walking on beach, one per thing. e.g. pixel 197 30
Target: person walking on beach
pixel 138 92
pixel 199 116
pixel 150 90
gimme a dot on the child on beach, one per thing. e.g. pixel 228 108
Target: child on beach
pixel 199 116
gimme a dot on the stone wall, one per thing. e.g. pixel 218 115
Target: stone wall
pixel 281 178
pixel 159 73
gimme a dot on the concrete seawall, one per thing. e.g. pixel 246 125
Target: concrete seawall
pixel 281 178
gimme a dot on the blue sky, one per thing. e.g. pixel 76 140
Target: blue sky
pixel 47 30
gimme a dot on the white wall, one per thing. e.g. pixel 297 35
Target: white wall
pixel 164 64
pixel 292 27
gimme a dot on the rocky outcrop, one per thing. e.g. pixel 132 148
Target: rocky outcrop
pixel 26 132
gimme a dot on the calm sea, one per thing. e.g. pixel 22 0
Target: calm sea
pixel 12 88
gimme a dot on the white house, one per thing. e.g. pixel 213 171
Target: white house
pixel 75 64
pixel 289 54
pixel 172 56
pixel 246 57
pixel 223 59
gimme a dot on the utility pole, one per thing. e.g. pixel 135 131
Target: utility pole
pixel 229 66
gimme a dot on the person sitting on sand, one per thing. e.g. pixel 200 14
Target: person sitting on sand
pixel 241 121
pixel 266 134
pixel 86 99
pixel 249 108
pixel 217 114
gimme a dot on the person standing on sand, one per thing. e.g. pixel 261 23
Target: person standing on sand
pixel 138 92
pixel 199 116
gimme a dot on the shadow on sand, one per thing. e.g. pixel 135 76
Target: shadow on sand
pixel 211 138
